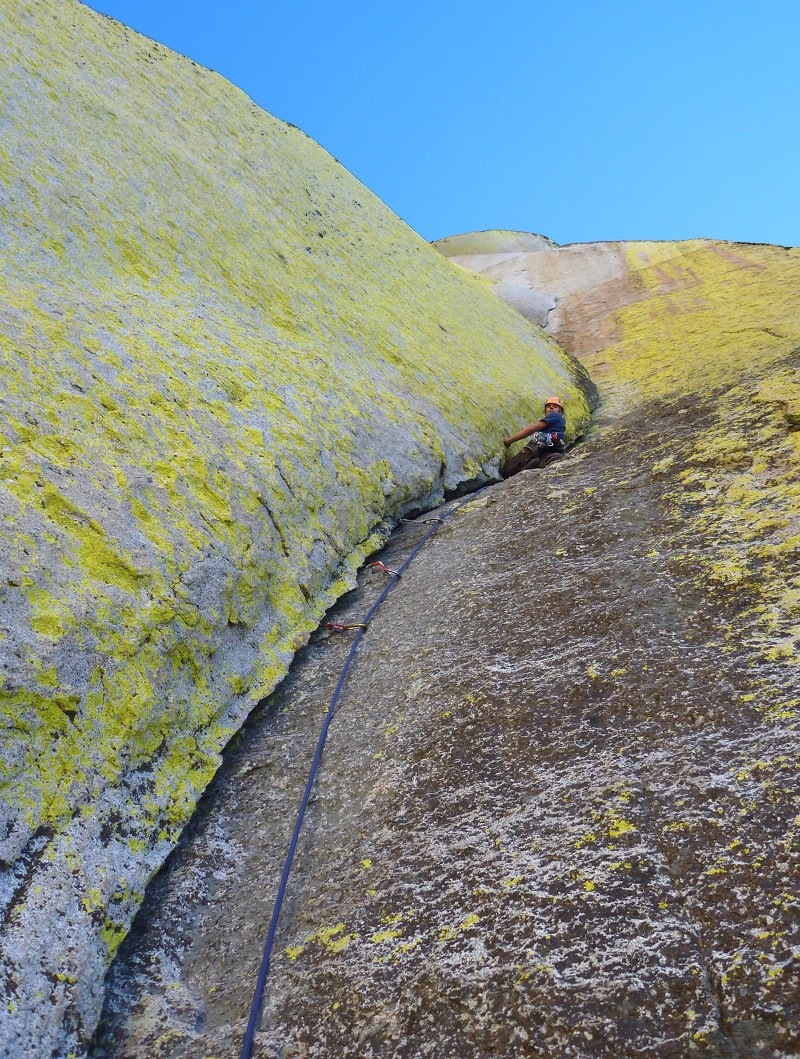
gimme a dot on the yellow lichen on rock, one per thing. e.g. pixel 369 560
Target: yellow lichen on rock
pixel 226 367
pixel 719 332
pixel 710 313
pixel 704 336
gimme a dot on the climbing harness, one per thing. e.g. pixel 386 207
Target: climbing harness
pixel 542 439
pixel 360 628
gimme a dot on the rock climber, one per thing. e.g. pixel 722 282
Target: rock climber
pixel 547 440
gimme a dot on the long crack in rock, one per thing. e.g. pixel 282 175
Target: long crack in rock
pixel 557 814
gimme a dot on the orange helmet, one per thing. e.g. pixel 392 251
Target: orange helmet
pixel 555 401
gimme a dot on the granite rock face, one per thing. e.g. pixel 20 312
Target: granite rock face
pixel 226 369
pixel 558 813
pixel 707 333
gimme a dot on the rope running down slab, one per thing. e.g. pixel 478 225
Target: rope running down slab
pixel 360 628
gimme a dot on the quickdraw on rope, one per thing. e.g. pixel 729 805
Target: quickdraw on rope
pixel 360 628
pixel 338 626
pixel 378 565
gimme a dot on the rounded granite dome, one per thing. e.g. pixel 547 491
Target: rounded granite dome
pixel 493 242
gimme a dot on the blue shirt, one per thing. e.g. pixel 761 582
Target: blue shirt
pixel 555 423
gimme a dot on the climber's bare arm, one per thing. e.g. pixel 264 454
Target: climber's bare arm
pixel 525 432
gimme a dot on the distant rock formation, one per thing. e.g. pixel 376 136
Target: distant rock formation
pixel 493 242
pixel 495 255
pixel 226 368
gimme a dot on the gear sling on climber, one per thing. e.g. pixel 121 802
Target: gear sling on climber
pixel 546 440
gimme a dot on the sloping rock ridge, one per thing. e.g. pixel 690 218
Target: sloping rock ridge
pixel 226 369
pixel 558 816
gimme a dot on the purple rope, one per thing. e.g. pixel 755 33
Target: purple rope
pixel 258 997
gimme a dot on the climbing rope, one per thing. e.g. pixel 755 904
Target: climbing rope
pixel 359 628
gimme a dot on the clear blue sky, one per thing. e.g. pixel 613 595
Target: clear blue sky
pixel 579 119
